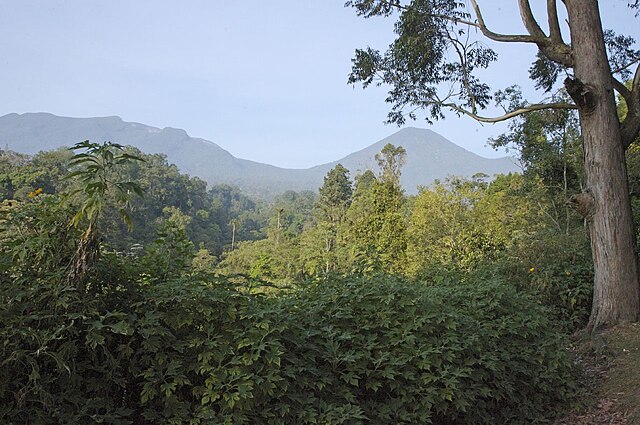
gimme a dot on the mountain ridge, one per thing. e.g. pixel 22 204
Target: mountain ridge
pixel 430 156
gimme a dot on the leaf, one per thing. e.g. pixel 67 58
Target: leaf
pixel 123 328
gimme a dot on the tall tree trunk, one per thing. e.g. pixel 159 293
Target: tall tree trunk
pixel 605 202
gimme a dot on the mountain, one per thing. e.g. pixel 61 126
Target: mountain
pixel 429 155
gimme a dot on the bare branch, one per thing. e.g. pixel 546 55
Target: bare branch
pixel 622 68
pixel 517 112
pixel 456 20
pixel 552 47
pixel 622 89
pixel 630 127
pixel 457 45
pixel 633 102
pixel 529 20
pixel 499 37
pixel 554 24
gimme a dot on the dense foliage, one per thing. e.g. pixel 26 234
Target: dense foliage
pixel 379 350
pixel 216 215
pixel 135 348
pixel 487 275
pixel 357 306
pixel 435 64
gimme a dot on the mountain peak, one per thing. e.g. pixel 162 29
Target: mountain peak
pixel 175 132
pixel 430 156
pixel 414 130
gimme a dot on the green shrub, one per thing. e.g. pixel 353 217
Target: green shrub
pixel 558 270
pixel 184 352
pixel 61 360
pixel 382 351
pixel 206 353
pixel 124 350
pixel 351 351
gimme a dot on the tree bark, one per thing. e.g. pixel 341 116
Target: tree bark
pixel 616 297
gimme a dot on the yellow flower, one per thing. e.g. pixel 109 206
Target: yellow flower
pixel 35 193
pixel 532 269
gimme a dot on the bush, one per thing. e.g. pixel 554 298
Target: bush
pixel 177 352
pixel 558 270
pixel 346 351
pixel 206 353
pixel 381 351
pixel 117 349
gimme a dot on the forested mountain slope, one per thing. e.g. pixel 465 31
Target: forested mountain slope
pixel 429 155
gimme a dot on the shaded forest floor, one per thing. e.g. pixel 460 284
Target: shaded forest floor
pixel 612 379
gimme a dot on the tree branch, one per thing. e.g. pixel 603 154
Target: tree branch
pixel 629 130
pixel 499 37
pixel 622 89
pixel 457 20
pixel 554 23
pixel 457 45
pixel 630 127
pixel 517 112
pixel 629 65
pixel 529 20
pixel 552 47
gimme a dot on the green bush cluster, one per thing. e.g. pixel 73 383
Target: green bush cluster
pixel 557 269
pixel 176 352
pixel 345 351
pixel 385 351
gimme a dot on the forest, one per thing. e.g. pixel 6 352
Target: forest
pixel 133 294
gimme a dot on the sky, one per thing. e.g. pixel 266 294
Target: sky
pixel 265 80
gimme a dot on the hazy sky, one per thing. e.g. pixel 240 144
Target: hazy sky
pixel 264 79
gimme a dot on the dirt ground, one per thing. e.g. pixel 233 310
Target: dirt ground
pixel 611 367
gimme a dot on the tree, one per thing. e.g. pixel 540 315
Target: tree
pixel 461 224
pixel 21 175
pixel 172 253
pixel 333 202
pixel 549 147
pixel 95 168
pixel 375 224
pixel 335 192
pixel 435 50
pixel 291 214
pixel 390 160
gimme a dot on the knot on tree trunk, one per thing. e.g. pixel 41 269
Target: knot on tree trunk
pixel 581 93
pixel 583 203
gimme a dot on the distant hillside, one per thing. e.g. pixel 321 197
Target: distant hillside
pixel 429 155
